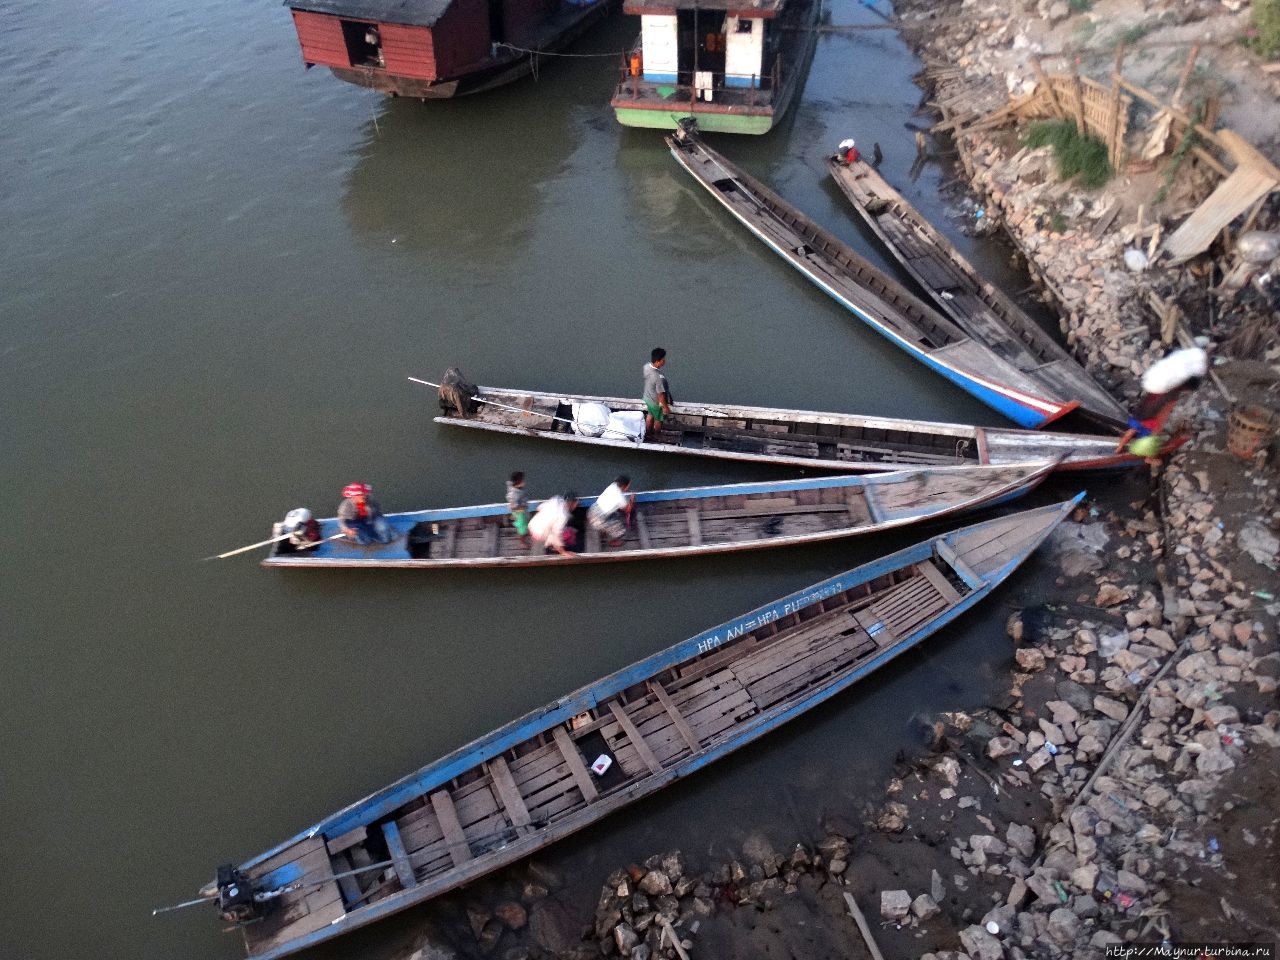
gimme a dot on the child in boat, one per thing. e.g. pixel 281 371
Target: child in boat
pixel 360 518
pixel 657 392
pixel 550 524
pixel 611 513
pixel 518 503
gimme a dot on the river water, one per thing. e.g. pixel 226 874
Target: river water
pixel 219 269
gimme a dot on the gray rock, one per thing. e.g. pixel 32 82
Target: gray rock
pixel 656 883
pixel 924 907
pixel 894 904
pixel 980 945
pixel 1085 907
pixel 625 938
pixel 1111 708
pixel 1064 926
pixel 673 865
pixel 551 927
pixel 1001 747
pixel 1063 712
pixel 1213 762
pixel 1022 838
pixel 936 889
pixel 641 951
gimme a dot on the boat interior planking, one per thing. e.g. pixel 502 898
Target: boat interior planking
pixel 683 522
pixel 802 438
pixel 531 782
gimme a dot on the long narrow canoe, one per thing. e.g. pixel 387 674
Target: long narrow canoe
pixel 977 306
pixel 871 295
pixel 526 785
pixel 798 438
pixel 686 522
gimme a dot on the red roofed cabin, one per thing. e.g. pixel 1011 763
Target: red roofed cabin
pixel 434 49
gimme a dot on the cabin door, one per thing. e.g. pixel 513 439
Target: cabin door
pixel 701 45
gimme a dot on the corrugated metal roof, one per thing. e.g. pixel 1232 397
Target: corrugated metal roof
pixel 416 13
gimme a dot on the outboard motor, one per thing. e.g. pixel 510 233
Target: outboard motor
pixel 302 527
pixel 235 895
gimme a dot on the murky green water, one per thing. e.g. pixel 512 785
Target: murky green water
pixel 218 270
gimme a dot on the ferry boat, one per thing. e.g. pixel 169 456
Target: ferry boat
pixel 435 49
pixel 735 65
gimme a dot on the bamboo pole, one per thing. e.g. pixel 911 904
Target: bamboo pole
pixel 861 921
pixel 1077 97
pixel 1042 78
pixel 1115 137
pixel 1180 89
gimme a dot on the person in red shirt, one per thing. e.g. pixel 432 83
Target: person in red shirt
pixel 847 153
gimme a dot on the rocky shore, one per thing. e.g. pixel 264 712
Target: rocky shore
pixel 1125 787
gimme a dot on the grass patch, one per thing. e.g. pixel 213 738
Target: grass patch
pixel 1078 157
pixel 1131 35
pixel 1266 23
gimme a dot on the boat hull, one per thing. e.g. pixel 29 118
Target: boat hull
pixel 852 624
pixel 681 523
pixel 847 277
pixel 874 444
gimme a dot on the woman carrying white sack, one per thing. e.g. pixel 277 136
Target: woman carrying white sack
pixel 1163 385
pixel 550 524
pixel 611 513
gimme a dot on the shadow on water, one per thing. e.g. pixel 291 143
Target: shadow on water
pixel 432 178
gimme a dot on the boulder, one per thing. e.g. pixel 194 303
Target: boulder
pixel 1111 708
pixel 980 945
pixel 625 938
pixel 1063 712
pixel 925 907
pixel 1109 595
pixel 1214 761
pixel 552 928
pixel 1064 926
pixel 1029 659
pixel 894 904
pixel 1022 838
pixel 893 817
pixel 1001 747
pixel 511 914
pixel 656 883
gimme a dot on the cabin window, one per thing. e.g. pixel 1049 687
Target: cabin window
pixel 364 43
pixel 744 26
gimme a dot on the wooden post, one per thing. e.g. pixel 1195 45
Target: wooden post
pixel 1115 136
pixel 1077 96
pixel 861 921
pixel 1176 102
pixel 1043 79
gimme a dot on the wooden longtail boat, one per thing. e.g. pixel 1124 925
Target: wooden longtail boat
pixel 799 438
pixel 1022 395
pixel 677 523
pixel 526 785
pixel 977 306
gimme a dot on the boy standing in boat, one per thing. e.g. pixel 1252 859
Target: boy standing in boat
pixel 360 518
pixel 657 392
pixel 518 504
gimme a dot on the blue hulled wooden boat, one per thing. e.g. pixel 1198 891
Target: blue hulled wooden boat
pixel 1025 384
pixel 684 522
pixel 570 763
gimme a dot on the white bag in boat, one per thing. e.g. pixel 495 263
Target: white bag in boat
pixel 1175 370
pixel 590 419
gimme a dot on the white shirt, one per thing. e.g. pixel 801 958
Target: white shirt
pixel 548 522
pixel 611 501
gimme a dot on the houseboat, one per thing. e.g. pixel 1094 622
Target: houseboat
pixel 434 49
pixel 735 65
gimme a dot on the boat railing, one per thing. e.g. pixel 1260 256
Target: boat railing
pixel 632 83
